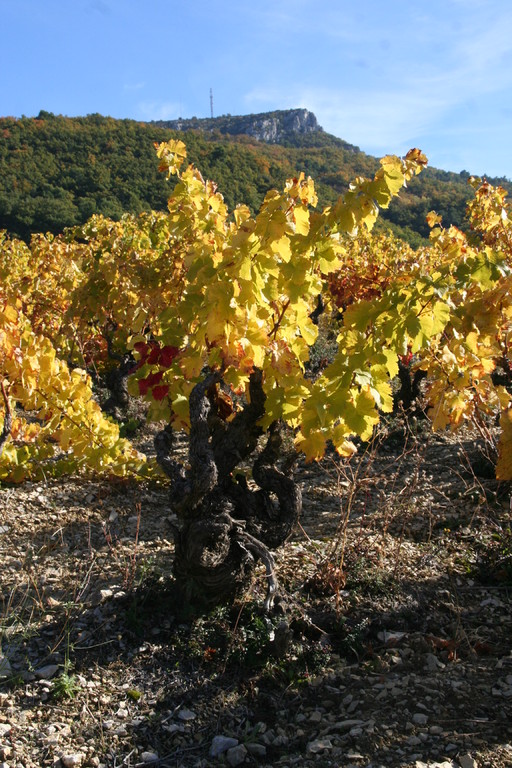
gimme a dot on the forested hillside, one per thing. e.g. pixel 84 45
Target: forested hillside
pixel 57 171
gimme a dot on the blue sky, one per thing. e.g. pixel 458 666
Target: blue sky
pixel 386 76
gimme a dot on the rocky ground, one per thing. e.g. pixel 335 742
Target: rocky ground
pixel 394 648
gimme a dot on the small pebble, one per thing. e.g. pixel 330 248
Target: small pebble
pixel 466 761
pixel 258 750
pixel 71 761
pixel 236 755
pixel 46 673
pixel 318 745
pixel 221 744
pixel 149 757
pixel 186 715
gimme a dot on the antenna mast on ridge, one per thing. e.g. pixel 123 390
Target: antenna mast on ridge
pixel 211 101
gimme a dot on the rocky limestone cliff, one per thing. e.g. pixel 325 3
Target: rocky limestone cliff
pixel 270 127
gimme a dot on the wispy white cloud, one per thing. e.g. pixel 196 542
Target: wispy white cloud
pixel 134 86
pixel 379 120
pixel 486 58
pixel 159 110
pixel 408 95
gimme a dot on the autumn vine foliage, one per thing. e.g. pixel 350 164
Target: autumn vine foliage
pixel 256 283
pixel 252 286
pixel 70 304
pixel 209 318
pixel 198 291
pixel 131 270
pixel 468 367
pixel 51 422
pixel 371 263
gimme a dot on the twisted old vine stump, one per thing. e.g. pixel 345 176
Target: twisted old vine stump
pixel 225 527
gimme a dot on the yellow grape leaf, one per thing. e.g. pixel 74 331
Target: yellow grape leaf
pixel 66 437
pixel 277 225
pixel 10 314
pixel 292 410
pixel 357 410
pixel 283 361
pixel 382 395
pixel 312 445
pixel 21 454
pixel 172 154
pixel 255 357
pixel 282 248
pixel 449 358
pixel 301 216
pixel 416 160
pixel 389 360
pixel 393 172
pixel 217 328
pixel 438 413
pixel 345 219
pixel 241 214
pixel 176 147
pixel 191 364
pixel 273 406
pixel 236 379
pixel 139 320
pixel 433 218
pixel 361 314
pixel 339 439
pixel 245 271
pixel 47 362
pixel 459 407
pixel 308 330
pixel 484 272
pixel 430 322
pixel 369 211
pixel 487 365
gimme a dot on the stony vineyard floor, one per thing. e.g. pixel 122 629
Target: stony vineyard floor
pixel 400 657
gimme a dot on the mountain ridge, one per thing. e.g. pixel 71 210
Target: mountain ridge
pixel 269 127
pixel 57 171
pixel 281 126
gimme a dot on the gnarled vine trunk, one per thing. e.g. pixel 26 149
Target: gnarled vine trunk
pixel 410 385
pixel 117 378
pixel 224 525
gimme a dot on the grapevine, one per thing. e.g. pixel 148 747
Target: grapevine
pixel 213 317
pixel 51 423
